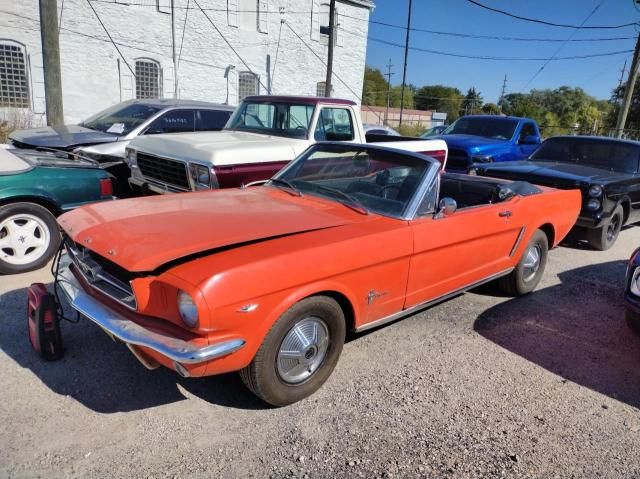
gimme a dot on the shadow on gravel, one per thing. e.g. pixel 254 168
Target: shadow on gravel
pixel 576 330
pixel 103 375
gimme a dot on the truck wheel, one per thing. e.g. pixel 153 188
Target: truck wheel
pixel 603 238
pixel 526 276
pixel 29 237
pixel 299 352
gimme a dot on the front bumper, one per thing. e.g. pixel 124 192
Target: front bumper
pixel 133 334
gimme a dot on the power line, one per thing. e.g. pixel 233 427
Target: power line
pixel 544 22
pixel 535 75
pixel 114 43
pixel 184 28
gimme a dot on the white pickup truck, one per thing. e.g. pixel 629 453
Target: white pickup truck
pixel 263 135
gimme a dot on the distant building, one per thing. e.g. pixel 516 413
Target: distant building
pixel 271 58
pixel 377 115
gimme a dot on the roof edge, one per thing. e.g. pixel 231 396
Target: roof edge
pixel 361 3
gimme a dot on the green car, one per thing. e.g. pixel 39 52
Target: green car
pixel 35 187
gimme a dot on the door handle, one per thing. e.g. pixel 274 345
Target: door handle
pixel 505 214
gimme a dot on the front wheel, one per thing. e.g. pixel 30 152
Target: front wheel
pixel 526 276
pixel 29 237
pixel 299 352
pixel 603 238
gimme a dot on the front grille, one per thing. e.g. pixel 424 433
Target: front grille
pixel 163 170
pixel 457 160
pixel 102 274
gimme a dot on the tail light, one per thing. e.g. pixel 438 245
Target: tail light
pixel 106 187
pixel 439 155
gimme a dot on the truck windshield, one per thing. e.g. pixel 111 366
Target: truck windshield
pixel 281 119
pixel 496 128
pixel 599 153
pixel 121 119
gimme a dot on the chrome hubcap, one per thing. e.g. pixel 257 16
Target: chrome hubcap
pixel 303 350
pixel 531 263
pixel 23 239
pixel 612 228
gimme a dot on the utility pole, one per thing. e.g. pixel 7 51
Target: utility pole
pixel 628 91
pixel 51 61
pixel 332 39
pixel 404 72
pixel 388 75
pixel 173 49
pixel 624 68
pixel 504 89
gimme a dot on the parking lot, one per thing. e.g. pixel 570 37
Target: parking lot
pixel 481 386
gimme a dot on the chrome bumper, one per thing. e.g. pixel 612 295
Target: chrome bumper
pixel 133 334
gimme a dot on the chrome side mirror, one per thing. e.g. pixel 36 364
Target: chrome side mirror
pixel 446 207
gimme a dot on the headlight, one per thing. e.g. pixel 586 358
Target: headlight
pixel 595 191
pixel 482 159
pixel 593 204
pixel 130 157
pixel 188 309
pixel 201 176
pixel 634 287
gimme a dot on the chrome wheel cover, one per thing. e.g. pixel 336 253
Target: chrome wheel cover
pixel 24 239
pixel 303 350
pixel 531 263
pixel 612 228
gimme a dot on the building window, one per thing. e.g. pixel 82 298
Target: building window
pixel 148 79
pixel 247 85
pixel 320 88
pixel 14 87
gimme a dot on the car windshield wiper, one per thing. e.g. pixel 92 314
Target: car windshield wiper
pixel 290 188
pixel 352 203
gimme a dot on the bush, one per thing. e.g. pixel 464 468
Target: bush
pixel 11 120
pixel 411 130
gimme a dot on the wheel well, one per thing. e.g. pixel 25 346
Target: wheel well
pixel 345 305
pixel 45 203
pixel 548 230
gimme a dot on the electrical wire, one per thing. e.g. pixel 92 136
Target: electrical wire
pixel 184 27
pixel 544 22
pixel 114 43
pixel 275 61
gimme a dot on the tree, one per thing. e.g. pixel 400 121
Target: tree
pixel 472 102
pixel 396 95
pixel 444 99
pixel 490 109
pixel 374 87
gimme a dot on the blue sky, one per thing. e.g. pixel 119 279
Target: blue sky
pixel 597 76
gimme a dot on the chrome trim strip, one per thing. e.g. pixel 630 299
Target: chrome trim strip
pixel 133 334
pixel 431 302
pixel 432 175
pixel 517 243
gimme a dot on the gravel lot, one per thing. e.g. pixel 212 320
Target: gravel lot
pixel 480 386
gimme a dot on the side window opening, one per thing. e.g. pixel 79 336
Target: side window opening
pixel 334 124
pixel 175 121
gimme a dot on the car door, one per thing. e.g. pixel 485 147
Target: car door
pixel 211 120
pixel 456 251
pixel 173 121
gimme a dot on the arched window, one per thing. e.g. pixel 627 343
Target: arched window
pixel 148 79
pixel 14 84
pixel 247 85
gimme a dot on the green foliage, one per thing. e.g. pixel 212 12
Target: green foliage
pixel 490 109
pixel 374 88
pixel 472 102
pixel 440 98
pixel 396 95
pixel 411 130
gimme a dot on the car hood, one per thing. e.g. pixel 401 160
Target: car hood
pixel 222 147
pixel 551 173
pixel 61 137
pixel 142 234
pixel 471 143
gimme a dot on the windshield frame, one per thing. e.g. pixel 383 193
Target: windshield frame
pixel 270 131
pixel 410 211
pixel 448 130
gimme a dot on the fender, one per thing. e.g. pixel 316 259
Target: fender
pixel 33 195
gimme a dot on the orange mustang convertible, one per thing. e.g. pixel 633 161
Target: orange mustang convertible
pixel 267 280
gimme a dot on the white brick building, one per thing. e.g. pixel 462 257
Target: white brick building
pixel 95 75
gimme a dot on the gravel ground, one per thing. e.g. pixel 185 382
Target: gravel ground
pixel 480 386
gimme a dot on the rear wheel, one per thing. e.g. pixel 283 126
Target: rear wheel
pixel 29 237
pixel 526 276
pixel 299 352
pixel 603 238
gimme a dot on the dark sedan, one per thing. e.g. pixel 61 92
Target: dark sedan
pixel 606 171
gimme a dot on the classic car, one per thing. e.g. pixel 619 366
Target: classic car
pixel 632 292
pixel 606 171
pixel 104 136
pixel 488 139
pixel 35 187
pixel 370 128
pixel 267 280
pixel 264 134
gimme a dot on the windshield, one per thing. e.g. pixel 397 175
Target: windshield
pixel 121 119
pixel 496 128
pixel 367 178
pixel 281 119
pixel 598 153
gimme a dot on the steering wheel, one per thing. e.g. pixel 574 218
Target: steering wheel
pixel 384 191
